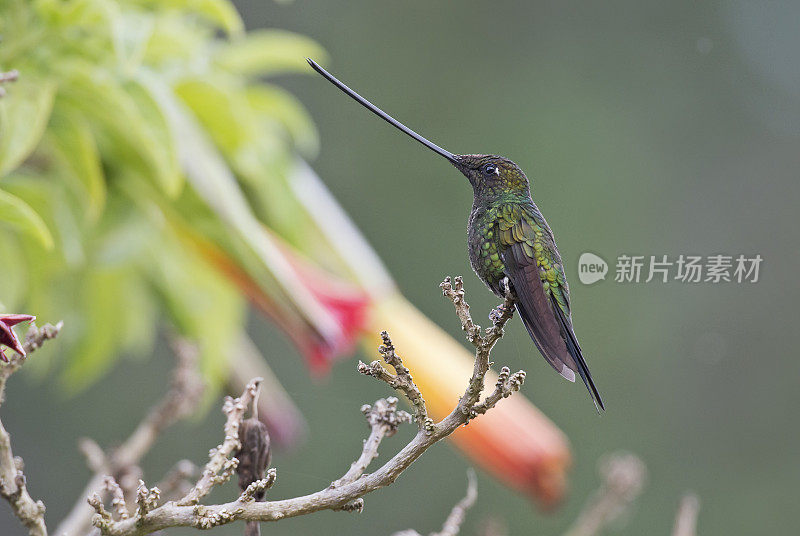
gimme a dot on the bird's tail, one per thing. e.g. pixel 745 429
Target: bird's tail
pixel 565 363
pixel 574 350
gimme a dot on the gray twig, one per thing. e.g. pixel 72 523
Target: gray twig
pixel 452 524
pixel 12 479
pixel 347 492
pixel 624 476
pixel 384 419
pixel 686 517
pixel 220 465
pixel 401 380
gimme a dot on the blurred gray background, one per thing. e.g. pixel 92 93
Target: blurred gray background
pixel 647 128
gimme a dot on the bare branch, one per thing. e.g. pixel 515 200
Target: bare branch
pixel 186 390
pixel 12 480
pixel 176 483
pixel 95 457
pixel 401 380
pixel 34 339
pixel 146 499
pixel 453 523
pixel 624 476
pixel 259 486
pixel 383 419
pixel 102 516
pixel 686 518
pixel 347 492
pixel 468 404
pixel 453 289
pixel 507 383
pixel 117 497
pixel 220 467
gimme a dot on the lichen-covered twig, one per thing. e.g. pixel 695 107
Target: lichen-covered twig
pixel 400 380
pixel 12 479
pixel 483 343
pixel 624 476
pixel 686 517
pixel 220 465
pixel 218 470
pixel 117 497
pixel 34 339
pixel 249 494
pixel 383 418
pixel 507 383
pixel 347 492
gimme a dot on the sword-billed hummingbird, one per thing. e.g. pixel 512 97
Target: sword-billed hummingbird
pixel 511 247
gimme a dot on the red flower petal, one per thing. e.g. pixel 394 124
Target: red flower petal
pixel 7 335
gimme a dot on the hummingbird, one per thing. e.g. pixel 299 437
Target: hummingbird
pixel 511 248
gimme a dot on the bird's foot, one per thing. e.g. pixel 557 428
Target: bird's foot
pixel 508 290
pixel 506 309
pixel 498 313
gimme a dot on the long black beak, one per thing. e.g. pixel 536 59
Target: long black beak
pixel 383 115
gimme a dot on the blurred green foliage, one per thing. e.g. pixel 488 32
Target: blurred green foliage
pixel 648 128
pixel 94 142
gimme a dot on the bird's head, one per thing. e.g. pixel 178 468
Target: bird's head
pixel 492 175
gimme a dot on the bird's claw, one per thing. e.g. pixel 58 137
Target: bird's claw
pixel 498 313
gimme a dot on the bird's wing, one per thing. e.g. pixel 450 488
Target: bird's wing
pixel 534 268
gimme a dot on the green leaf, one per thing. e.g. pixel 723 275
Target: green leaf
pixel 24 112
pixel 219 12
pixel 285 109
pixel 19 214
pixel 60 14
pixel 14 274
pixel 175 43
pixel 213 181
pixel 226 118
pixel 201 303
pixel 264 52
pixel 50 198
pixel 131 32
pixel 158 138
pixel 132 129
pixel 104 300
pixel 74 143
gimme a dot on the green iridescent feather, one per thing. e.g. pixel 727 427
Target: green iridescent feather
pixel 510 244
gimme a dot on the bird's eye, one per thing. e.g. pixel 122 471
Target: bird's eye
pixel 490 169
